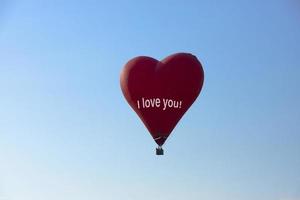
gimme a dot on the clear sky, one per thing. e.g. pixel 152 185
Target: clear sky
pixel 67 133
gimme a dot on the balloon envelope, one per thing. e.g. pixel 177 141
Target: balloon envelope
pixel 160 92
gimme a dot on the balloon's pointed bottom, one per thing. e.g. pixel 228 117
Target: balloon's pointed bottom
pixel 160 140
pixel 159 151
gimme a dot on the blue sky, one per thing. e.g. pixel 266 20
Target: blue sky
pixel 66 132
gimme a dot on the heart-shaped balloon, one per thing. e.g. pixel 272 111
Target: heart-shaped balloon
pixel 160 92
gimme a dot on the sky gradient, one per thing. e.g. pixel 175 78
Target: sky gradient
pixel 67 133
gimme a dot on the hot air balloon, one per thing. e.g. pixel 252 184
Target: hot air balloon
pixel 160 92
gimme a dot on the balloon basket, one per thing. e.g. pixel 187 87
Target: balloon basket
pixel 159 151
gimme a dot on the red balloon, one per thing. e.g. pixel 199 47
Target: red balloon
pixel 160 92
